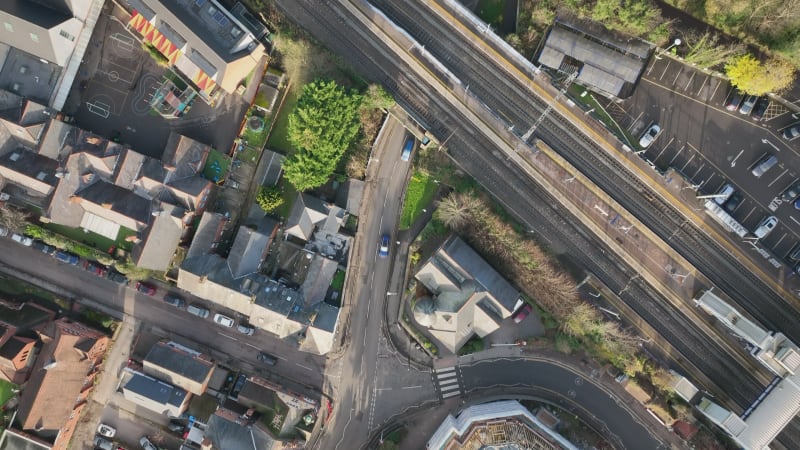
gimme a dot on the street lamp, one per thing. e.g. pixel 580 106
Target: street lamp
pixel 675 43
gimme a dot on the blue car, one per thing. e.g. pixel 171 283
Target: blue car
pixel 67 257
pixel 407 149
pixel 383 250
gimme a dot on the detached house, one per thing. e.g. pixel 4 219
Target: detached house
pixel 467 295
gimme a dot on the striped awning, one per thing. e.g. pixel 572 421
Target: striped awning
pixel 152 36
pixel 204 82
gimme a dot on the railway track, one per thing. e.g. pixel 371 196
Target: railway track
pixel 470 148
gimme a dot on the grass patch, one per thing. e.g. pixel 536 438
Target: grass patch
pixel 18 288
pixel 279 137
pixel 98 320
pixel 491 11
pixel 289 194
pixel 268 414
pixel 202 407
pixel 589 103
pixel 420 192
pixel 338 280
pixel 256 139
pixel 249 154
pixel 217 165
pixel 6 391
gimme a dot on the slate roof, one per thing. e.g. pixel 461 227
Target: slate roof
pixel 207 234
pixel 225 433
pixel 607 62
pixel 163 235
pixel 247 252
pixel 349 194
pixel 108 197
pixel 31 166
pixel 179 362
pixel 156 390
pixel 27 17
pixel 326 317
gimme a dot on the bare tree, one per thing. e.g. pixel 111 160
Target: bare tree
pixel 12 218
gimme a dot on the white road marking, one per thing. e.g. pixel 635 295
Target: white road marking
pixel 412 387
pixel 794 220
pixel 251 345
pixel 304 367
pixel 778 177
pixel 229 337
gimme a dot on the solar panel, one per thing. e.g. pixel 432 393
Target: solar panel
pixel 220 18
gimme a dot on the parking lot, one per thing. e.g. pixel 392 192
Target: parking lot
pixel 712 146
pixel 115 82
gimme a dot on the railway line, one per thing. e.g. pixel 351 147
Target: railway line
pixel 470 149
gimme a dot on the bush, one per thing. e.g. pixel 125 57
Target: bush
pixel 269 198
pixel 473 345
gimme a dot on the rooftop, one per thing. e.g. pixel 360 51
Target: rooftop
pixel 178 360
pixel 156 390
pixel 226 432
pixel 248 252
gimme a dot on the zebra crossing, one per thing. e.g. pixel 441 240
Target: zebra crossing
pixel 448 382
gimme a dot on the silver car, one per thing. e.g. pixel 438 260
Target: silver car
pixel 649 136
pixel 765 227
pixel 225 321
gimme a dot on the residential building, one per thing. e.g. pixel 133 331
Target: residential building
pixel 154 394
pixel 61 381
pixel 15 354
pixel 20 440
pixel 310 215
pixel 211 47
pixel 104 187
pixel 236 427
pixel 606 62
pixel 258 393
pixel 179 366
pixel 502 424
pixel 467 296
pixel 43 43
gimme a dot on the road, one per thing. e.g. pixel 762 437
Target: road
pixel 468 144
pixel 359 372
pixel 225 345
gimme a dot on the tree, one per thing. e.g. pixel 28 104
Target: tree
pixel 754 78
pixel 323 125
pixel 12 219
pixel 377 98
pixel 705 50
pixel 456 209
pixel 269 198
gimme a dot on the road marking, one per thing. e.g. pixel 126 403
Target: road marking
pixel 676 155
pixel 229 337
pixel 99 108
pixel 778 177
pixel 450 394
pixel 705 80
pixel 683 169
pixel 383 389
pixel 280 357
pixel 747 216
pixel 794 220
pixel 251 345
pixel 304 367
pixel 412 387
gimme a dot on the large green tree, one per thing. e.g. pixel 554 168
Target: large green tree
pixel 323 125
pixel 755 78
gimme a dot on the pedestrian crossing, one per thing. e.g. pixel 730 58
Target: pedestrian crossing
pixel 448 382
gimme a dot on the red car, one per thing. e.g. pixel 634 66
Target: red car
pixel 522 313
pixel 95 268
pixel 145 288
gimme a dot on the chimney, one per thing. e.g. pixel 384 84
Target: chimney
pixel 206 444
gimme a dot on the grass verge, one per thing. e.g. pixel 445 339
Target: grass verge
pixel 491 11
pixel 420 192
pixel 279 137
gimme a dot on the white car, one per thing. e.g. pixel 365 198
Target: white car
pixel 244 329
pixel 106 430
pixel 765 227
pixel 225 321
pixel 649 136
pixel 24 240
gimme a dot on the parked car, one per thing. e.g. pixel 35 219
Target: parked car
pixel 175 426
pixel 174 300
pixel 245 329
pixel 20 239
pixel 724 194
pixel 145 288
pixel 792 193
pixel 734 201
pixel 761 107
pixel 106 430
pixel 765 227
pixel 95 268
pixel 225 321
pixel 44 248
pixel 3 231
pixel 734 100
pixel 649 135
pixel 117 277
pixel 102 443
pixel 764 164
pixel 408 147
pixel 146 444
pixel 267 359
pixel 791 132
pixel 67 257
pixel 748 104
pixel 794 253
pixel 522 313
pixel 383 249
pixel 198 311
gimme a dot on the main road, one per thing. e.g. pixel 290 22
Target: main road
pixel 333 24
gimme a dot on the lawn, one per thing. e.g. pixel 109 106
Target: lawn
pixel 256 139
pixel 420 192
pixel 278 137
pixel 91 239
pixel 289 194
pixel 491 11
pixel 338 280
pixel 217 165
pixel 202 406
pixel 249 154
pixel 6 391
pixel 590 104
pixel 14 287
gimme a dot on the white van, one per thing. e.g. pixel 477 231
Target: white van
pixel 198 311
pixel 766 225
